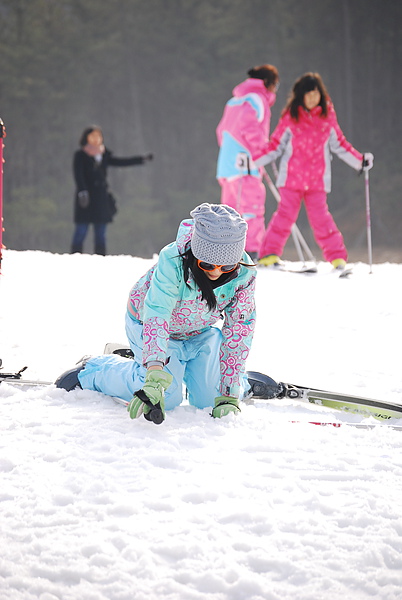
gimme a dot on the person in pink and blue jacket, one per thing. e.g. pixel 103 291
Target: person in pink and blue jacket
pixel 242 134
pixel 203 278
pixel 306 135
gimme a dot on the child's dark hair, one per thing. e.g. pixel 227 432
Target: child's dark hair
pixel 306 83
pixel 84 136
pixel 204 283
pixel 268 73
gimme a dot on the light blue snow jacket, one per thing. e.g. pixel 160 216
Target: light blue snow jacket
pixel 169 308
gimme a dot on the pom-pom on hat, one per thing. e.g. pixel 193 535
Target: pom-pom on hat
pixel 219 234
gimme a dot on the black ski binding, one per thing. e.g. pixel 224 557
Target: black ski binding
pixel 5 376
pixel 124 352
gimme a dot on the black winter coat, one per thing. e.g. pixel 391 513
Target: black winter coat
pixel 91 176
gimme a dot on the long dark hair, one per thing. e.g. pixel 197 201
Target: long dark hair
pixel 204 283
pixel 306 83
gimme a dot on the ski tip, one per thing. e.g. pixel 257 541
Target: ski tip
pixel 343 271
pixel 346 273
pixel 306 269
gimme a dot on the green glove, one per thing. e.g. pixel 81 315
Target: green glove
pixel 225 405
pixel 150 401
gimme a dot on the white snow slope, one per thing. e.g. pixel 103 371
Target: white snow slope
pixel 95 506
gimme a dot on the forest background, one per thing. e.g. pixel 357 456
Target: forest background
pixel 155 75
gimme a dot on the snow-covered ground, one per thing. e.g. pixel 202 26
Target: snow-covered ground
pixel 94 506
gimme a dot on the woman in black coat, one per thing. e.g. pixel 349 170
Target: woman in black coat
pixel 94 203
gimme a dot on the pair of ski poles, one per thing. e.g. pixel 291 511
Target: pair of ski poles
pixel 297 236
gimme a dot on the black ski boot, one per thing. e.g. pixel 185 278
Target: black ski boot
pixel 69 379
pixel 264 387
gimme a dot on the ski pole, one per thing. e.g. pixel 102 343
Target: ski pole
pixel 298 238
pixel 2 135
pixel 368 219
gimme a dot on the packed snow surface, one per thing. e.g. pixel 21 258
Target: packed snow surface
pixel 95 506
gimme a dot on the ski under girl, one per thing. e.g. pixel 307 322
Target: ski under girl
pixel 201 278
pixel 305 136
pixel 242 134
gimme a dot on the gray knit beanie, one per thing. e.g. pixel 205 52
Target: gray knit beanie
pixel 219 234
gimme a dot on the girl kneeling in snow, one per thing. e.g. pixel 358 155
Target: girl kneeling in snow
pixel 202 277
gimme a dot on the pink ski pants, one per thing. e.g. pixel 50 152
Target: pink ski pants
pixel 247 196
pixel 326 233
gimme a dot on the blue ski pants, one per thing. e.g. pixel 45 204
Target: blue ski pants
pixel 193 362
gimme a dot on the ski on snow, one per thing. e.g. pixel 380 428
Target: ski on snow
pixel 15 378
pixel 307 269
pixel 264 387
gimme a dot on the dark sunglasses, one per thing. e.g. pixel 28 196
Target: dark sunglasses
pixel 204 266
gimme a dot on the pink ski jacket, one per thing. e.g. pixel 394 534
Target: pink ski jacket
pixel 243 130
pixel 306 146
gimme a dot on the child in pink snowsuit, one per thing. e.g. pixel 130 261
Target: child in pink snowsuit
pixel 305 136
pixel 243 134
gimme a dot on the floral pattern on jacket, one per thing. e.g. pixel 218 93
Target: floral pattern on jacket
pixel 169 307
pixel 306 146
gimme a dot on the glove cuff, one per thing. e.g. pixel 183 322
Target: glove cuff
pixel 225 405
pixel 226 400
pixel 161 377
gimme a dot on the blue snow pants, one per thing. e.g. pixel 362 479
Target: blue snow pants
pixel 194 362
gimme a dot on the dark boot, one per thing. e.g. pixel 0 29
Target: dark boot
pixel 69 379
pixel 100 249
pixel 76 248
